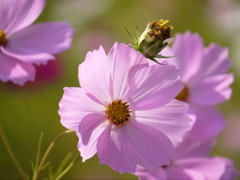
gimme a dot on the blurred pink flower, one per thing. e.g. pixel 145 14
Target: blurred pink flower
pixel 46 74
pixel 125 110
pixel 22 45
pixel 192 161
pixel 203 72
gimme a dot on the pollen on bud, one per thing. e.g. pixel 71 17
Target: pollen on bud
pixel 156 36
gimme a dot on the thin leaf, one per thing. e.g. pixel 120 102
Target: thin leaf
pixel 45 165
pixel 69 167
pixel 50 172
pixel 33 166
pixel 38 151
pixel 27 177
pixel 133 38
pixel 62 164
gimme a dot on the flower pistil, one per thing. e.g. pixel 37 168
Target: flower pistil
pixel 160 29
pixel 183 95
pixel 118 112
pixel 3 39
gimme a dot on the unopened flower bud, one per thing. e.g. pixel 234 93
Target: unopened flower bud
pixel 155 37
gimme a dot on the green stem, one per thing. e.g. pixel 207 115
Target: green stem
pixel 11 154
pixel 69 167
pixel 48 152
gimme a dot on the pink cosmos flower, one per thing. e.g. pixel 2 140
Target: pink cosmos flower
pixel 22 45
pixel 203 72
pixel 125 110
pixel 192 162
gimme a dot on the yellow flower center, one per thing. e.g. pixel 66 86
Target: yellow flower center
pixel 118 112
pixel 160 30
pixel 183 95
pixel 3 40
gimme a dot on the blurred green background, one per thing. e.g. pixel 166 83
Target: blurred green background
pixel 27 111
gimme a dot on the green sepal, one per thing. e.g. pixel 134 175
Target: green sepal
pixel 137 30
pixel 154 60
pixel 133 38
pixel 160 56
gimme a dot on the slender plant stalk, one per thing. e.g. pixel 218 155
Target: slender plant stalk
pixel 68 168
pixel 36 174
pixel 11 154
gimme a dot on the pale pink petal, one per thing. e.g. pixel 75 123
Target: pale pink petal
pixel 171 119
pixel 93 74
pixel 215 61
pixel 179 173
pixel 212 168
pixel 192 147
pixel 121 59
pixel 152 147
pixel 209 122
pixel 115 149
pixel 160 85
pixel 145 174
pixel 188 51
pixel 212 90
pixel 18 14
pixel 90 129
pixel 40 58
pixel 74 106
pixel 36 43
pixel 14 70
pixel 194 175
pixel 136 77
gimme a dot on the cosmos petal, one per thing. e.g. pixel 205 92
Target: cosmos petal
pixel 115 150
pixel 171 119
pixel 152 147
pixel 210 167
pixel 212 90
pixel 16 15
pixel 195 147
pixel 121 59
pixel 215 61
pixel 160 85
pixel 184 174
pixel 90 129
pixel 209 122
pixel 74 106
pixel 37 43
pixel 145 174
pixel 188 51
pixel 93 73
pixel 14 70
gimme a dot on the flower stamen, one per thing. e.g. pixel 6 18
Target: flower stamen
pixel 118 112
pixel 3 39
pixel 160 30
pixel 183 95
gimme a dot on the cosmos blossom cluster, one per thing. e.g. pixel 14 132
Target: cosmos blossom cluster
pixel 155 121
pixel 138 111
